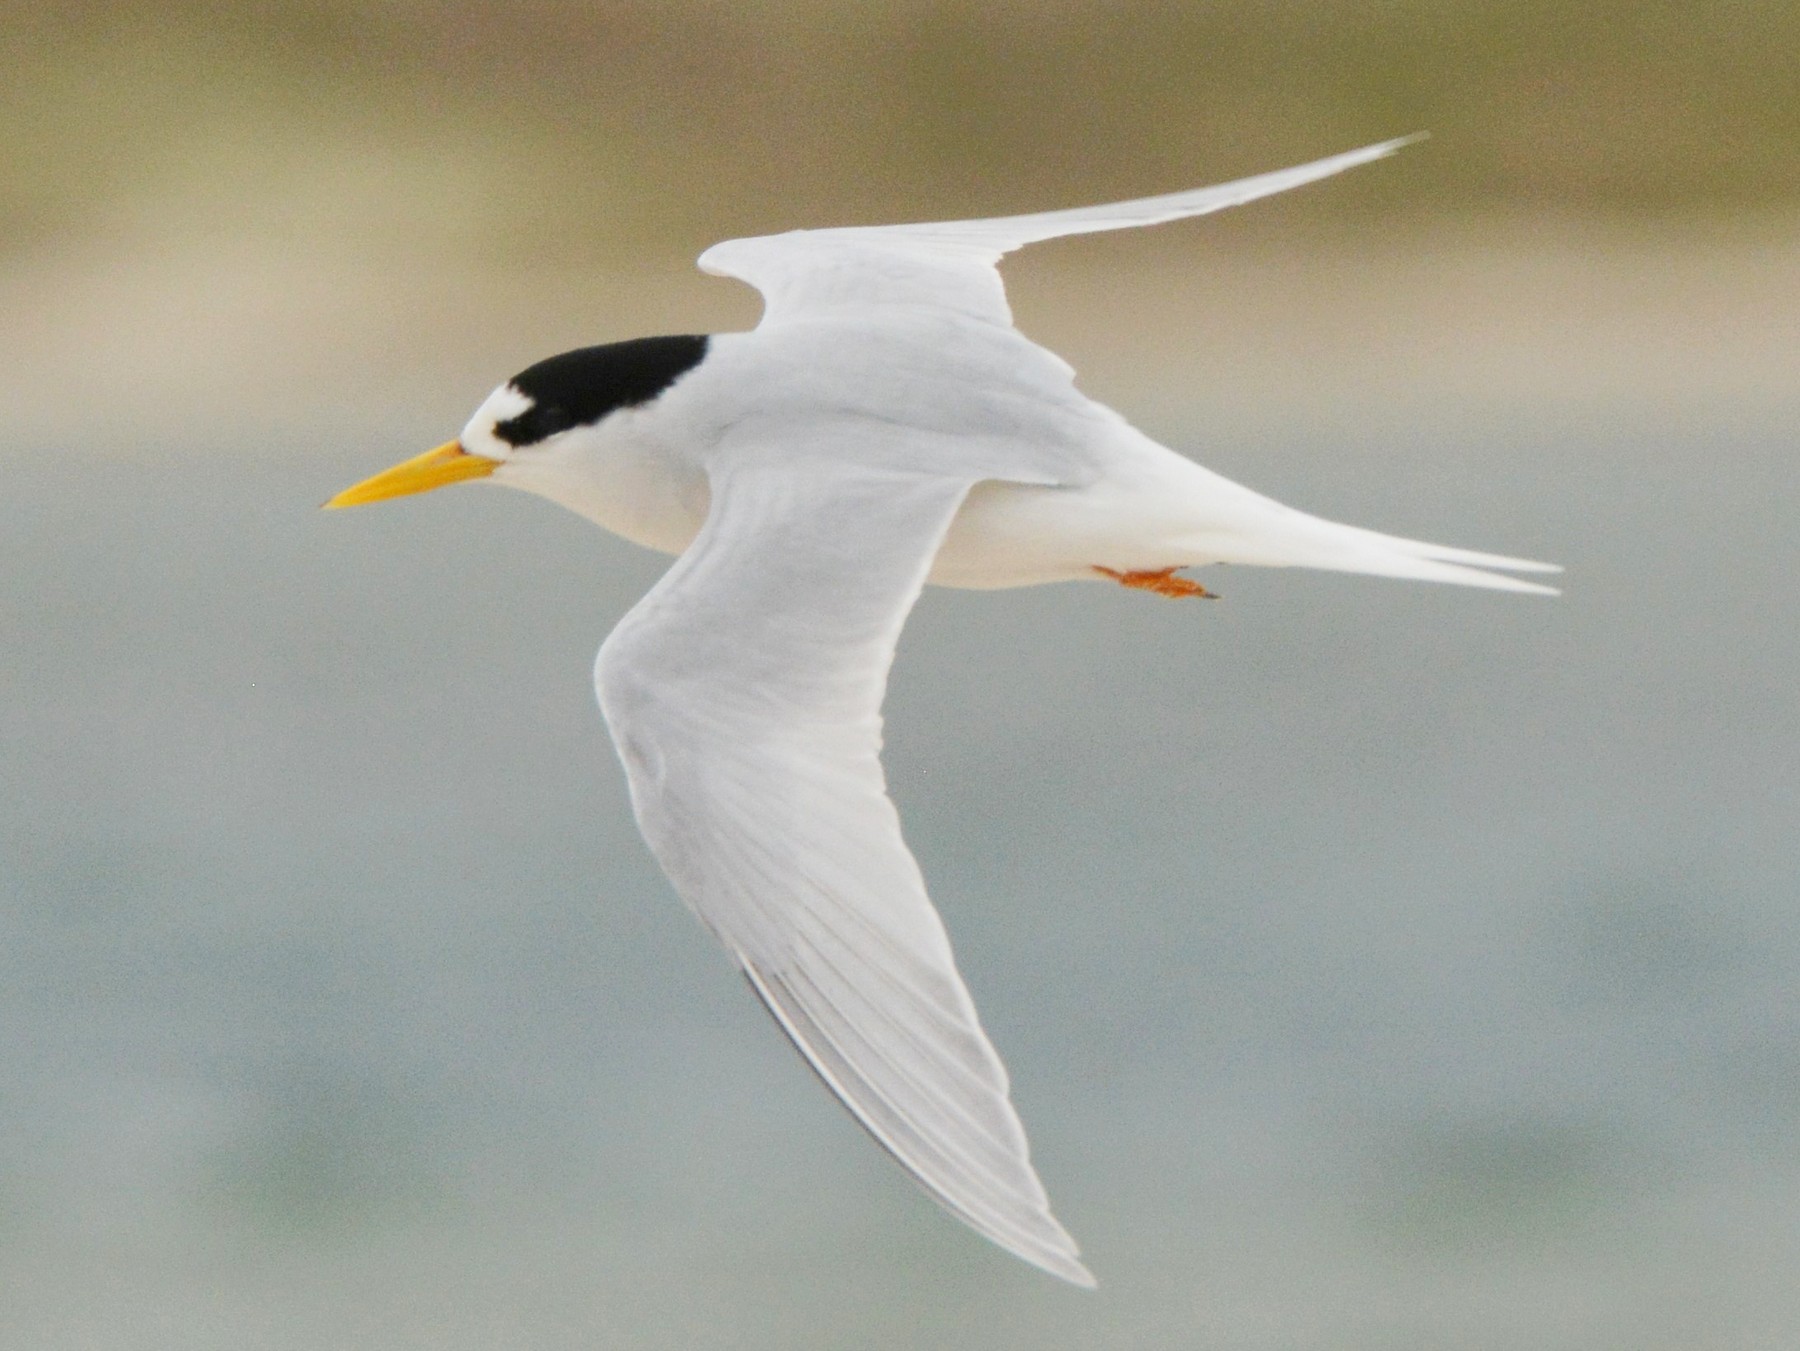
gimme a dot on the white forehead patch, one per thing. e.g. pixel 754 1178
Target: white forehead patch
pixel 478 436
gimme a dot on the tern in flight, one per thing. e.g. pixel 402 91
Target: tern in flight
pixel 882 427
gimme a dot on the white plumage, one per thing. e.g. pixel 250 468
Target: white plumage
pixel 883 426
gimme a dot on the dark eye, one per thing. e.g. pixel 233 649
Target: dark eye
pixel 535 424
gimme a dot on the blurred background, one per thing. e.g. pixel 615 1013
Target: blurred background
pixel 1379 965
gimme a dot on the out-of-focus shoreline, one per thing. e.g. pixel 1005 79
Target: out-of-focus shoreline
pixel 126 340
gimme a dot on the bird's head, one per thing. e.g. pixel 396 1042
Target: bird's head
pixel 540 416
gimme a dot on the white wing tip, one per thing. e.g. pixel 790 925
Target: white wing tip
pixel 1052 1250
pixel 1067 1267
pixel 1367 154
pixel 1392 146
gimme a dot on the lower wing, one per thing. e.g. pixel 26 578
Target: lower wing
pixel 744 694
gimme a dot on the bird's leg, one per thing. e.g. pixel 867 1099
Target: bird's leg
pixel 1163 582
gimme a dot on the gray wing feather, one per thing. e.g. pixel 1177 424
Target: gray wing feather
pixel 744 694
pixel 952 264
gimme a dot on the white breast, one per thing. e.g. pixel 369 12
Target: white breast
pixel 624 475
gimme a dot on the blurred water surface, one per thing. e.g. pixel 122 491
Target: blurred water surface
pixel 1378 964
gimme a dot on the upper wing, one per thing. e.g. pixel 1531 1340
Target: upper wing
pixel 744 694
pixel 952 263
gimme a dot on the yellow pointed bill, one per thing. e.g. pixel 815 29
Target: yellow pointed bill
pixel 449 463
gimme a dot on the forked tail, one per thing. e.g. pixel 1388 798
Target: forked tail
pixel 1311 542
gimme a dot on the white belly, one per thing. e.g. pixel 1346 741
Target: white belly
pixel 1014 534
pixel 1143 517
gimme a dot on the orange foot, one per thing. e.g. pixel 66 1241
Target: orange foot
pixel 1164 583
